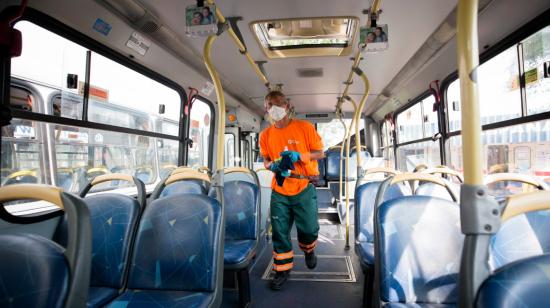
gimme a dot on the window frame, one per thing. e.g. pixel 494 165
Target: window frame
pixel 50 24
pixel 513 39
pixel 418 100
pixel 211 136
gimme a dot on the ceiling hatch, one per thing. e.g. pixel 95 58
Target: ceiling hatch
pixel 301 37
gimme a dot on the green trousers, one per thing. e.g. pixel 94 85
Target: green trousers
pixel 301 208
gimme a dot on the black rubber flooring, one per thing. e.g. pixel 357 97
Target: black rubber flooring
pixel 298 293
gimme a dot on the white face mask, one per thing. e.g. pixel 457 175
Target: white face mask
pixel 277 113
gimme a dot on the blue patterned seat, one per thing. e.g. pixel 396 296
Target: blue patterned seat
pixel 418 249
pixel 187 187
pixel 365 195
pixel 113 218
pixel 332 157
pixel 524 283
pixel 435 190
pixel 241 222
pixel 34 272
pixel 177 257
pixel 520 237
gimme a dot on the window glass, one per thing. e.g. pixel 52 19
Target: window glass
pixel 389 161
pixel 431 123
pixel 22 153
pixel 167 155
pixel 412 155
pixel 333 132
pixel 409 123
pixel 499 91
pixel 536 51
pixel 47 60
pixel 199 132
pixel 229 157
pixel 123 97
pixel 521 148
pixel 82 154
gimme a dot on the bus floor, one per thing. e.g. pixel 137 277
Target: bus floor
pixel 337 281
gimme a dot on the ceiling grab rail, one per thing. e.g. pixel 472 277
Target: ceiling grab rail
pixel 217 177
pixel 479 213
pixel 373 15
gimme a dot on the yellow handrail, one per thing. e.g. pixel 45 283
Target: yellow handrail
pixel 112 177
pixel 444 170
pixel 187 176
pixel 48 193
pixel 468 62
pixel 527 202
pixel 242 48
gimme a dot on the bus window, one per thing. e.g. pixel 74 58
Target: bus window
pixel 536 51
pixel 333 132
pixel 431 123
pixel 199 132
pixel 411 155
pixel 50 66
pixel 523 148
pixel 409 124
pixel 499 92
pixel 22 153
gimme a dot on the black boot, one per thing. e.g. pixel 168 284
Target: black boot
pixel 311 260
pixel 279 279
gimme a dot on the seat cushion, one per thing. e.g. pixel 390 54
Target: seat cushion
pixel 365 250
pixel 419 305
pixel 186 187
pixel 420 247
pixel 523 283
pixel 520 237
pixel 241 208
pixel 113 218
pixel 236 252
pixel 149 298
pixel 99 297
pixel 33 272
pixel 177 245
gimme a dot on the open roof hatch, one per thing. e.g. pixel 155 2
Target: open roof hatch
pixel 311 36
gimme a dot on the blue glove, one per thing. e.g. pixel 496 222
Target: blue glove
pixel 294 156
pixel 274 166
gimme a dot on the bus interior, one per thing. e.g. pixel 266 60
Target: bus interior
pixel 132 176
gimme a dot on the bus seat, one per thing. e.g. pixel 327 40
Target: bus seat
pixel 242 233
pixel 34 270
pixel 365 196
pixel 64 178
pixel 418 249
pixel 178 255
pixel 113 218
pixel 322 173
pixel 332 157
pixel 523 283
pixel 434 190
pixel 365 155
pixel 145 174
pixel 520 237
pixel 186 187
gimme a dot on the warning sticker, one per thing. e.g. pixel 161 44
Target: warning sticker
pixel 102 27
pixel 138 43
pixel 531 75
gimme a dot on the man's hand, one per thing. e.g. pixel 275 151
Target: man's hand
pixel 294 156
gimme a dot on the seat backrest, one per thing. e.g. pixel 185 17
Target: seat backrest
pixel 520 237
pixel 524 283
pixel 241 206
pixel 418 249
pixel 113 218
pixel 435 190
pixel 34 272
pixel 186 187
pixel 179 245
pixel 332 157
pixel 365 197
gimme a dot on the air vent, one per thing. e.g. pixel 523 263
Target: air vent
pixel 317 115
pixel 148 23
pixel 309 72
